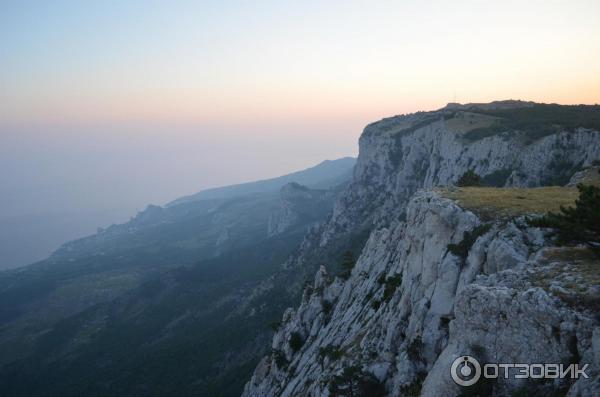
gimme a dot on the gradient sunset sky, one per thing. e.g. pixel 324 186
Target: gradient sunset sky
pixel 121 103
pixel 244 62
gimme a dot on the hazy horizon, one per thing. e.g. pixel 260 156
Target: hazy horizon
pixel 108 107
pixel 44 199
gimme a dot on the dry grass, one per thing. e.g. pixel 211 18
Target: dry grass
pixel 582 255
pixel 509 202
pixel 466 121
pixel 584 261
pixel 402 125
pixel 572 274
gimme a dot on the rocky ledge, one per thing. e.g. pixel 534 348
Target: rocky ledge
pixel 441 284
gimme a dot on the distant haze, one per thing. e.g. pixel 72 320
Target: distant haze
pixel 60 183
pixel 108 106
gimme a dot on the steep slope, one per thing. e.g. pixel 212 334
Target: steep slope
pixel 402 154
pixel 391 323
pixel 411 307
pixel 172 280
pixel 300 204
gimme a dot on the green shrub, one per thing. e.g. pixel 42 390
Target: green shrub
pixel 537 121
pixel 579 224
pixel 497 178
pixel 462 249
pixel 296 341
pixel 354 382
pixel 560 171
pixel 279 358
pixel 347 264
pixel 331 352
pixel 327 308
pixel 414 389
pixel 415 349
pixel 484 132
pixel 376 304
pixel 391 283
pixel 469 178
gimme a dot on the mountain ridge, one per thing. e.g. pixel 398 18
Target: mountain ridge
pixel 135 294
pixel 327 172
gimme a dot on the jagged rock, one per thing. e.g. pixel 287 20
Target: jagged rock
pixel 402 154
pixel 490 306
pixel 590 386
pixel 410 306
pixel 299 204
pixel 591 174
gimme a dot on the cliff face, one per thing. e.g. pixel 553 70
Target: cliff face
pixel 399 155
pixel 411 306
pixel 299 204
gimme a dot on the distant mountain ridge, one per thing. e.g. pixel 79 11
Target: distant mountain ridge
pixel 323 175
pixel 167 291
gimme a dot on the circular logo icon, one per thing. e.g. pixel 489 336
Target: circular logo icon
pixel 465 371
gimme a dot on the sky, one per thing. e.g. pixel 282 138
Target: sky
pixel 107 106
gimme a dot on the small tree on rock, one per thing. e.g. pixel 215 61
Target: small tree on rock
pixel 347 264
pixel 469 178
pixel 296 341
pixel 354 382
pixel 579 224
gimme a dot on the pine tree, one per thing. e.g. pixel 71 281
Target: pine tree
pixel 579 224
pixel 469 178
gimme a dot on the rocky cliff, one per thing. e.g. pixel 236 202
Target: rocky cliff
pixel 445 273
pixel 299 204
pixel 401 154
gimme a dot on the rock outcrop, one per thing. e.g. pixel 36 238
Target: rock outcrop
pixel 401 154
pixel 411 305
pixel 299 204
pixel 410 308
